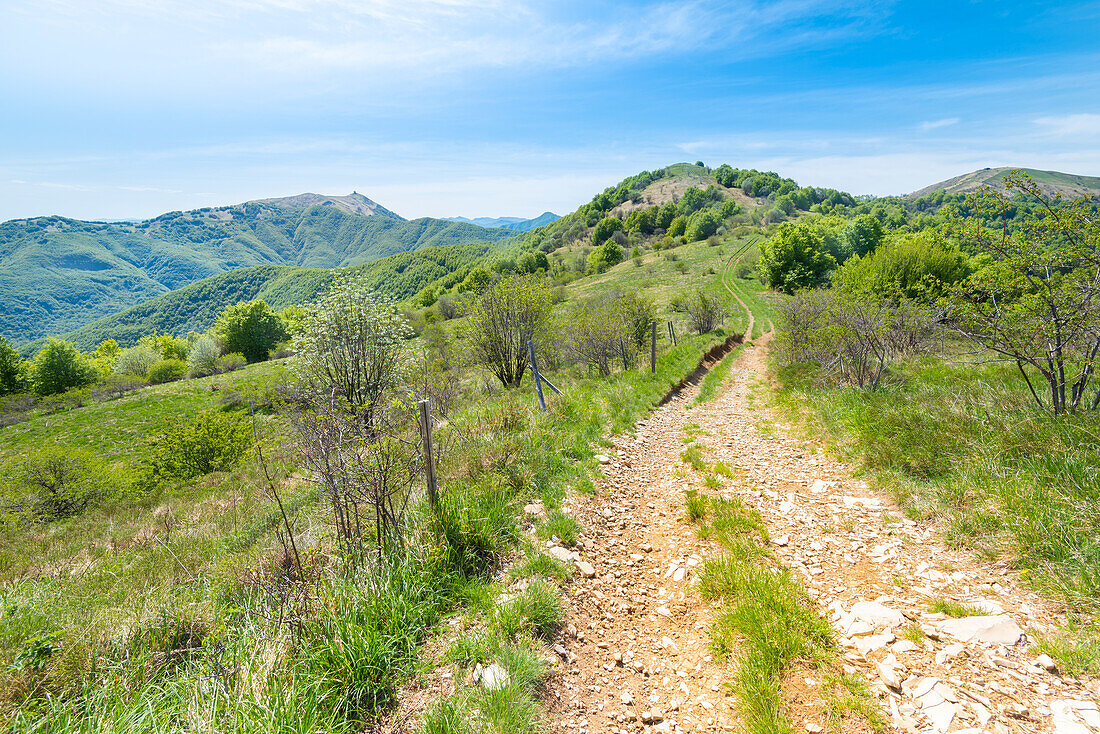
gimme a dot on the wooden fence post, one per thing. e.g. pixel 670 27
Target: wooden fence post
pixel 429 455
pixel 537 376
pixel 653 350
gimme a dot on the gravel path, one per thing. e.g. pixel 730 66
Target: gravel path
pixel 635 658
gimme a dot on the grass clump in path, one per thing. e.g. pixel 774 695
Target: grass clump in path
pixel 766 615
pixel 953 608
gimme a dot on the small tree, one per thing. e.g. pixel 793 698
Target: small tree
pixel 604 229
pixel 203 357
pixel 136 360
pixel 211 442
pixel 605 256
pixel 60 482
pixel 352 347
pixel 1038 303
pixel 794 258
pixel 509 313
pixel 705 312
pixel 12 372
pixel 59 367
pixel 251 328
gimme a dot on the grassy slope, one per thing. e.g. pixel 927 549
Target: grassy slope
pixel 182 552
pixel 1068 184
pixel 57 274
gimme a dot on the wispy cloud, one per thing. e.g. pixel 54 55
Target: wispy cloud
pixel 937 124
pixel 1077 125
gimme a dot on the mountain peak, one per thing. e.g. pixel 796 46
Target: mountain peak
pixel 353 203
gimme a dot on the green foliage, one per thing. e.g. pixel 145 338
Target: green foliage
pixel 537 611
pixel 794 258
pixel 166 370
pixel 953 608
pixel 251 328
pixel 353 347
pixel 72 271
pixel 136 360
pixel 56 482
pixel 677 227
pixel 59 367
pixel 476 281
pixel 922 266
pixel 702 224
pixel 210 442
pixel 1035 302
pixel 532 262
pixel 605 228
pixel 12 372
pixel 509 313
pixel 203 356
pixel 604 256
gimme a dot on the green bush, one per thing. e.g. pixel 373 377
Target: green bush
pixel 136 361
pixel 166 370
pixel 230 362
pixel 211 442
pixel 59 367
pixel 252 329
pixel 203 357
pixel 56 483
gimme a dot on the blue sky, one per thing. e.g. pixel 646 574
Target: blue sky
pixel 128 108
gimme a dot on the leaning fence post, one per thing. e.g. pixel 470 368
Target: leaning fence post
pixel 653 349
pixel 429 455
pixel 537 376
pixel 675 340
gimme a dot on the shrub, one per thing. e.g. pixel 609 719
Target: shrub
pixel 795 258
pixel 115 386
pixel 604 256
pixel 136 361
pixel 166 370
pixel 509 313
pixel 252 329
pixel 604 229
pixel 203 358
pixel 211 442
pixel 59 367
pixel 59 482
pixel 12 374
pixel 230 362
pixel 705 312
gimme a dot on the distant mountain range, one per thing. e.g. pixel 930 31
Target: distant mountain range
pixel 516 224
pixel 57 274
pixel 1068 184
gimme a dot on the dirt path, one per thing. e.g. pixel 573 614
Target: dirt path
pixel 635 651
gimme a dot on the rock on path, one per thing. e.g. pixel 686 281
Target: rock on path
pixel 634 652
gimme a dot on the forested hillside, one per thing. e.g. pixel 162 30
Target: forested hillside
pixel 58 274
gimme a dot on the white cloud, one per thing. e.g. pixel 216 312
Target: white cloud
pixel 936 124
pixel 1077 125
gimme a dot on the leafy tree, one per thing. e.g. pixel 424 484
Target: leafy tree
pixel 476 281
pixel 212 441
pixel 136 360
pixel 702 224
pixel 677 227
pixel 203 356
pixel 12 374
pixel 604 229
pixel 922 266
pixel 862 235
pixel 604 256
pixel 509 313
pixel 59 367
pixel 353 348
pixel 794 258
pixel 705 312
pixel 1037 303
pixel 60 482
pixel 251 328
pixel 166 370
pixel 532 262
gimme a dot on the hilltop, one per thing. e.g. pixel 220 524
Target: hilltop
pixel 58 274
pixel 1069 185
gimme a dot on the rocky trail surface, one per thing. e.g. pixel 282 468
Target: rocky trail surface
pixel 634 653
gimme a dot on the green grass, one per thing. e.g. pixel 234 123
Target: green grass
pixel 1076 649
pixel 693 457
pixel 963 442
pixel 564 527
pixel 766 616
pixel 716 378
pixel 953 608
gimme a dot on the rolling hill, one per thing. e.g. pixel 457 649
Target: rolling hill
pixel 1051 182
pixel 58 274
